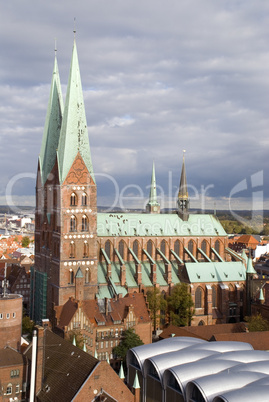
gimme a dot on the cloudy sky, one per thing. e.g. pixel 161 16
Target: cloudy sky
pixel 158 77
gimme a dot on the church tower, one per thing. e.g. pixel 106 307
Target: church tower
pixel 183 196
pixel 66 210
pixel 153 207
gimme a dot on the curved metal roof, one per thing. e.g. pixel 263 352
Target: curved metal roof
pixel 176 358
pixel 251 393
pixel 162 347
pixel 244 356
pixel 258 366
pixel 213 385
pixel 224 346
pixel 187 372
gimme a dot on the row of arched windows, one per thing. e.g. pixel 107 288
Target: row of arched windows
pixel 216 296
pixel 178 247
pixel 72 276
pixel 84 227
pixel 73 250
pixel 74 200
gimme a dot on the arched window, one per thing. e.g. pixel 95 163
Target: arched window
pixel 217 246
pixel 9 389
pixel 163 246
pixel 85 249
pixel 121 248
pixel 72 250
pixel 135 247
pixel 190 246
pixel 149 247
pixel 177 247
pixel 84 199
pixel 84 224
pixel 198 298
pixel 73 224
pixel 203 246
pixel 231 293
pixel 87 275
pixel 214 296
pixel 108 249
pixel 71 276
pixel 73 200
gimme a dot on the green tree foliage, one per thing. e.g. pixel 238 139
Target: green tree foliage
pixel 257 323
pixel 130 340
pixel 27 327
pixel 78 337
pixel 181 306
pixel 25 241
pixel 157 305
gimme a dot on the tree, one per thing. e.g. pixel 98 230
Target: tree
pixel 27 327
pixel 129 341
pixel 157 305
pixel 257 323
pixel 78 337
pixel 181 306
pixel 25 241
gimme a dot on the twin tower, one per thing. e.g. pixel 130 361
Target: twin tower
pixel 66 254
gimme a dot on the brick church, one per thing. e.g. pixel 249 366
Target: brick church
pixel 82 254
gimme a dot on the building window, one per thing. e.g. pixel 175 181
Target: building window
pixel 72 250
pixel 86 249
pixel 87 275
pixel 190 246
pixel 73 200
pixel 84 225
pixel 71 277
pixel 1 316
pixel 14 315
pixel 17 389
pixel 203 246
pixel 84 199
pixel 177 247
pixel 163 246
pixel 107 248
pixel 14 373
pixel 73 224
pixel 149 247
pixel 8 315
pixel 217 246
pixel 135 247
pixel 9 389
pixel 121 248
pixel 214 296
pixel 198 298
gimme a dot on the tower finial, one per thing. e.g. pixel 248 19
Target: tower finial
pixel 183 196
pixel 55 46
pixel 74 30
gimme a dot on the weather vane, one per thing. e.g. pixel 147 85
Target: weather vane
pixel 55 46
pixel 74 27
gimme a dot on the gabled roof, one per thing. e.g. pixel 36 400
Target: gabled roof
pixel 206 272
pixel 247 239
pixel 259 340
pixel 65 368
pixel 74 133
pixel 10 357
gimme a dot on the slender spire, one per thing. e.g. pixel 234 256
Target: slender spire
pixel 74 341
pixel 84 347
pixel 136 381
pixel 121 373
pixel 74 133
pixel 250 268
pixel 53 124
pixel 153 206
pixel 183 196
pixel 261 297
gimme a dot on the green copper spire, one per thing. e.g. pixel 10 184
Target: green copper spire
pixel 136 381
pixel 250 268
pixel 183 196
pixel 52 127
pixel 261 298
pixel 121 373
pixel 153 206
pixel 74 133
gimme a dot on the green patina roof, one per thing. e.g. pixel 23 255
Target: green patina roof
pixel 74 133
pixel 250 268
pixel 52 126
pixel 120 224
pixel 216 271
pixel 79 273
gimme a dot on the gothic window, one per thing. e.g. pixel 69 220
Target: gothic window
pixel 163 246
pixel 214 296
pixel 108 248
pixel 190 246
pixel 84 199
pixel 198 298
pixel 135 247
pixel 231 293
pixel 121 248
pixel 87 275
pixel 203 246
pixel 149 247
pixel 85 250
pixel 73 200
pixel 71 277
pixel 177 247
pixel 73 224
pixel 72 249
pixel 84 225
pixel 217 246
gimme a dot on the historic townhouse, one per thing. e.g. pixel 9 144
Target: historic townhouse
pixel 84 255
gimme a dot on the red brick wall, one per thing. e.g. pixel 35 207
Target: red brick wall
pixel 10 328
